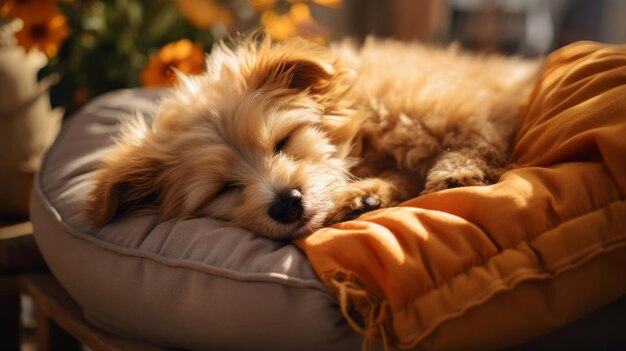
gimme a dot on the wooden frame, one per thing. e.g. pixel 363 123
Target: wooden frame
pixel 60 321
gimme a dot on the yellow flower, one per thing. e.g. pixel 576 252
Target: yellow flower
pixel 205 13
pixel 329 3
pixel 182 55
pixel 280 27
pixel 262 5
pixel 298 21
pixel 45 30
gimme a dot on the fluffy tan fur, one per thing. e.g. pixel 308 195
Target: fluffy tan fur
pixel 350 129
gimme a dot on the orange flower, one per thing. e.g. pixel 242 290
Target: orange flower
pixel 182 55
pixel 205 13
pixel 24 8
pixel 45 30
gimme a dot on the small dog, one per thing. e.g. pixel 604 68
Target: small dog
pixel 284 138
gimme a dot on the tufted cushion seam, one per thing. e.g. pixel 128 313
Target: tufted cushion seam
pixel 565 265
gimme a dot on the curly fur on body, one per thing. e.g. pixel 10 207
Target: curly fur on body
pixel 284 138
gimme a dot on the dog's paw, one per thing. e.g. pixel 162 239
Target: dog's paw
pixel 454 180
pixel 360 197
pixel 359 206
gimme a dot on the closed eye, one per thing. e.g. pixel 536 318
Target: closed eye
pixel 228 187
pixel 280 146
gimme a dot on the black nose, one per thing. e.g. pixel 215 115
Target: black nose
pixel 287 207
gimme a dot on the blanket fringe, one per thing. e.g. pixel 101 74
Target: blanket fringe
pixel 373 311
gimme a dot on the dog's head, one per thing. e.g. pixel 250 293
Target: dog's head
pixel 260 140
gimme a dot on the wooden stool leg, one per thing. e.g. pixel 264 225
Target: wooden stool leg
pixel 60 321
pixel 9 314
pixel 50 337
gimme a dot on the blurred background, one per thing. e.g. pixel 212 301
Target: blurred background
pixel 526 27
pixel 56 55
pixel 96 46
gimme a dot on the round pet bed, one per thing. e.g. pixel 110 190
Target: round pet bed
pixel 195 284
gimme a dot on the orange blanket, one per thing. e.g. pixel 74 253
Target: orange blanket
pixel 493 266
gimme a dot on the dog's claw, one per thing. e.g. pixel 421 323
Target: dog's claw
pixel 453 183
pixel 352 215
pixel 368 203
pixel 457 183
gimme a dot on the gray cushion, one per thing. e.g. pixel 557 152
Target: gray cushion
pixel 195 284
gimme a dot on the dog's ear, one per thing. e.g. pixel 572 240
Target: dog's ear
pixel 302 74
pixel 296 65
pixel 297 74
pixel 127 180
